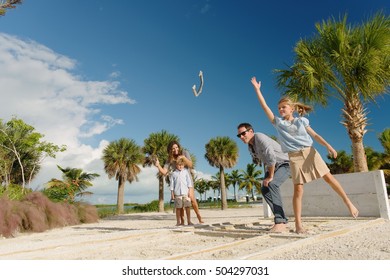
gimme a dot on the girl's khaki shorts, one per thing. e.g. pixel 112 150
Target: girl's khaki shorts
pixel 307 165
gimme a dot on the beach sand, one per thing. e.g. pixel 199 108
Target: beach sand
pixel 232 234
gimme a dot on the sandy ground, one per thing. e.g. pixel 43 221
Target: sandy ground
pixel 232 234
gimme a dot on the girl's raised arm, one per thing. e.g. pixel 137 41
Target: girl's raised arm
pixel 267 110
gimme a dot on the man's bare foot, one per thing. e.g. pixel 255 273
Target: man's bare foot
pixel 190 224
pixel 200 219
pixel 178 225
pixel 300 230
pixel 279 228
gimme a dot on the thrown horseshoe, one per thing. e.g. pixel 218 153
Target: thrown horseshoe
pixel 196 93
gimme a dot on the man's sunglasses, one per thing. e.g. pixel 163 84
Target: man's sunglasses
pixel 243 133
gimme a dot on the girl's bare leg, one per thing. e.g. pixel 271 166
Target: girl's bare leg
pixel 332 181
pixel 195 206
pixel 297 205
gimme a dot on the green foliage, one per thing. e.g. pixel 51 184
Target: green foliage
pixel 201 186
pixel 22 152
pixel 73 185
pixel 14 192
pixel 121 160
pixel 235 178
pixel 152 206
pixel 155 147
pixel 251 180
pixel 8 4
pixel 221 152
pixel 105 211
pixel 342 164
pixel 56 194
pixel 346 62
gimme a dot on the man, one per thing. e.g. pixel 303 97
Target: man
pixel 265 150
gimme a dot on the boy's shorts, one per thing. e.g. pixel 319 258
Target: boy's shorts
pixel 182 201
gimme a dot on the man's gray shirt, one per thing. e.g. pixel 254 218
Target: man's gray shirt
pixel 266 150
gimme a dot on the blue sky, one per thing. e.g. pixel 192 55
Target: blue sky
pixel 85 73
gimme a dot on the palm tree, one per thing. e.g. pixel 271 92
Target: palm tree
pixel 156 147
pixel 348 62
pixel 121 160
pixel 222 152
pixel 8 4
pixel 235 177
pixel 251 179
pixel 74 182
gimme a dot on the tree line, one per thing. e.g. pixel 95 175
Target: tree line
pixel 22 152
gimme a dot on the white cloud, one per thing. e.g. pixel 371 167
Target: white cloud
pixel 38 86
pixel 115 74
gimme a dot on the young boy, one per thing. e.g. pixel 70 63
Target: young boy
pixel 180 186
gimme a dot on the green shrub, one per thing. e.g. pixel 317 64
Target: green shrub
pixel 149 207
pixel 56 194
pixel 14 192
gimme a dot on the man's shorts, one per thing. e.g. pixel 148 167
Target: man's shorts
pixel 182 201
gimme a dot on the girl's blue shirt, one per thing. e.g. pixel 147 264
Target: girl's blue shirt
pixel 293 135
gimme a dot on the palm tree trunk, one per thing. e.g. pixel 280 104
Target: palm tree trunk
pixel 223 189
pixel 121 192
pixel 355 121
pixel 161 194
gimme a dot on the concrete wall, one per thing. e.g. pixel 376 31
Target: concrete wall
pixel 367 191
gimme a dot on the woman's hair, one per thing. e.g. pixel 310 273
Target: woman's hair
pixel 169 150
pixel 300 108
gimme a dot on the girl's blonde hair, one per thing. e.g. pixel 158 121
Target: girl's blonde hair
pixel 300 108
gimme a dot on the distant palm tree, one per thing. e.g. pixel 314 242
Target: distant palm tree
pixel 251 180
pixel 384 161
pixel 374 158
pixel 155 146
pixel 74 182
pixel 201 186
pixel 348 63
pixel 342 164
pixel 235 178
pixel 222 152
pixel 215 185
pixel 216 182
pixel 121 160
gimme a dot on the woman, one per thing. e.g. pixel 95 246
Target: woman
pixel 175 153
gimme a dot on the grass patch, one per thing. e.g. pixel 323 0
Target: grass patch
pixel 108 210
